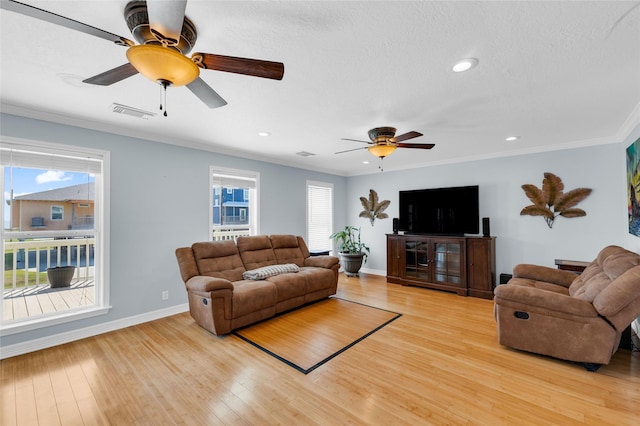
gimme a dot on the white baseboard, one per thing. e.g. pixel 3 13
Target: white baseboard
pixel 382 272
pixel 94 330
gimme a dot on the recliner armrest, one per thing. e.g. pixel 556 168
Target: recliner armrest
pixel 538 299
pixel 544 273
pixel 321 261
pixel 205 284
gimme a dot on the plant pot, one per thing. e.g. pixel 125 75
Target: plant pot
pixel 351 263
pixel 60 276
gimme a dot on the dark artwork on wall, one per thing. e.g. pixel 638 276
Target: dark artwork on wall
pixel 633 187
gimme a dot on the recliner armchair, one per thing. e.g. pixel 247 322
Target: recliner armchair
pixel 573 317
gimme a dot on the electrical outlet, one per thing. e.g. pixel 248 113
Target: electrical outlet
pixel 165 295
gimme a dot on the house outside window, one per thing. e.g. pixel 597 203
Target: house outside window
pixel 234 210
pixel 319 215
pixel 55 213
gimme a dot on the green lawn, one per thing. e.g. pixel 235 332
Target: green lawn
pixel 20 275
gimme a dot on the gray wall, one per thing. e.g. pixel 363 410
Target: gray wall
pixel 160 201
pixel 520 239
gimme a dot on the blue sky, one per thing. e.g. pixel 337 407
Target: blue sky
pixel 27 181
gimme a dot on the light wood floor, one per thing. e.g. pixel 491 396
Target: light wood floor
pixel 438 364
pixel 37 300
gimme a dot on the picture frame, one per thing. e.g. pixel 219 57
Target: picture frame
pixel 633 187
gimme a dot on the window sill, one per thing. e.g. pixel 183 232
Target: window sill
pixel 20 326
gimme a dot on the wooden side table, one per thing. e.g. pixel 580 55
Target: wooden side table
pixel 571 265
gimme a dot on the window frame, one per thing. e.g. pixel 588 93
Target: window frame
pixel 51 215
pixel 239 175
pixel 101 303
pixel 318 184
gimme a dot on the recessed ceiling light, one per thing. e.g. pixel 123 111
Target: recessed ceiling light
pixel 512 138
pixel 264 134
pixel 365 162
pixel 465 64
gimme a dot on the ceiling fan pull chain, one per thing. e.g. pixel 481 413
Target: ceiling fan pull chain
pixel 163 96
pixel 380 166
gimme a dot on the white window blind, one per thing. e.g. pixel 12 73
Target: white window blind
pixel 38 157
pixel 319 215
pixel 238 179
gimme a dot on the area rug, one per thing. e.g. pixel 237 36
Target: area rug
pixel 308 337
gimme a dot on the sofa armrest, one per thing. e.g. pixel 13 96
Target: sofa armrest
pixel 538 299
pixel 206 284
pixel 322 261
pixel 544 273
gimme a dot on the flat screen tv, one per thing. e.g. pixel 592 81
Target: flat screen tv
pixel 440 211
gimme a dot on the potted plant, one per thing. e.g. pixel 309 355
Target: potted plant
pixel 352 251
pixel 60 276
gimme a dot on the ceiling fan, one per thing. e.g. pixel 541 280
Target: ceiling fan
pixel 164 35
pixel 384 142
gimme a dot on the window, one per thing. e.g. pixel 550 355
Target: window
pixel 57 213
pixel 319 215
pixel 231 215
pixel 54 211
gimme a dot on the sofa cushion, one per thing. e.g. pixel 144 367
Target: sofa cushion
pixel 611 262
pixel 218 259
pixel 526 282
pixel 318 278
pixel 286 249
pixel 619 263
pixel 269 271
pixel 252 296
pixel 256 251
pixel 289 286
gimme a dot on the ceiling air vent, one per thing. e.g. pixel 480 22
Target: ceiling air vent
pixel 134 112
pixel 305 154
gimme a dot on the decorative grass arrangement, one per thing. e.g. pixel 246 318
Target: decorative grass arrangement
pixel 551 201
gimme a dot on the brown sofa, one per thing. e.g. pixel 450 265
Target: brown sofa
pixel 221 299
pixel 573 317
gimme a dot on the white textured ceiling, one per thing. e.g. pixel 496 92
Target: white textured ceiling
pixel 556 73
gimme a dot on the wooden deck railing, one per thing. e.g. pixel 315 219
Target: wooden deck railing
pixel 30 259
pixel 230 232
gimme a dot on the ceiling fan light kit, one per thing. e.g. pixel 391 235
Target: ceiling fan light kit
pixel 159 63
pixel 160 53
pixel 384 142
pixel 381 151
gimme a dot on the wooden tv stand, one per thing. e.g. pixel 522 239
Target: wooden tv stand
pixel 464 265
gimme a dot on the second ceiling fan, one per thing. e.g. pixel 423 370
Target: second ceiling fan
pixel 164 35
pixel 384 142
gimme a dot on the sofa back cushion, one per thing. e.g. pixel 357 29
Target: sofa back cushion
pixel 612 261
pixel 219 259
pixel 256 251
pixel 287 249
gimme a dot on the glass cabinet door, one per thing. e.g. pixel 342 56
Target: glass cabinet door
pixel 447 262
pixel 417 260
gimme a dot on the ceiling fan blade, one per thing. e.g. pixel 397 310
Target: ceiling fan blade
pixel 406 136
pixel 356 140
pixel 252 67
pixel 416 145
pixel 53 18
pixel 167 17
pixel 206 94
pixel 349 150
pixel 114 75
